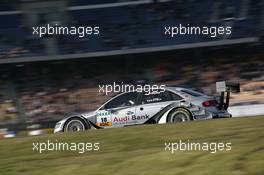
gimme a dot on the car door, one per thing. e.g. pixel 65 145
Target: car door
pixel 152 103
pixel 118 111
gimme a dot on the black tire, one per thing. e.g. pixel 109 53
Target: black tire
pixel 75 125
pixel 179 115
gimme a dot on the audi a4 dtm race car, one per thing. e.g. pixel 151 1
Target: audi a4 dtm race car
pixel 170 105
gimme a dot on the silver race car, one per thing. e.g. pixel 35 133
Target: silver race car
pixel 169 105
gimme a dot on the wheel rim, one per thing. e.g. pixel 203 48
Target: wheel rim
pixel 179 117
pixel 75 126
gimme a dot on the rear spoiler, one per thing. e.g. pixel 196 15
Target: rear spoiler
pixel 225 88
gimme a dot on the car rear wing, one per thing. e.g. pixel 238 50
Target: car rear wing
pixel 225 88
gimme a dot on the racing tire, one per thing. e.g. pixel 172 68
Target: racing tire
pixel 75 125
pixel 179 115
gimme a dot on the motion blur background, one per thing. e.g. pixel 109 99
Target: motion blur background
pixel 44 79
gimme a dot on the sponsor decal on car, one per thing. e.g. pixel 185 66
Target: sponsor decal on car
pixel 142 117
pixel 105 113
pixel 104 120
pixel 104 124
pixel 121 119
pixel 129 119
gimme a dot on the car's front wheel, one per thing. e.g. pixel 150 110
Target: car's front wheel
pixel 179 115
pixel 75 125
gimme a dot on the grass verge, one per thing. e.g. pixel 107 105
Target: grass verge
pixel 140 150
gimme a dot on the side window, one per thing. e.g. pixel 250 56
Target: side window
pixel 127 99
pixel 159 97
pixel 173 96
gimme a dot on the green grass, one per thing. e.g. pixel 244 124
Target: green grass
pixel 139 150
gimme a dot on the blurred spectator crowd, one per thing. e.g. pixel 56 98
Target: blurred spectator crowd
pixel 51 91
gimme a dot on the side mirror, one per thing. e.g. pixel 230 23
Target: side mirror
pixel 131 102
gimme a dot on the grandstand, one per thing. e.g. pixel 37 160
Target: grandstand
pixel 120 22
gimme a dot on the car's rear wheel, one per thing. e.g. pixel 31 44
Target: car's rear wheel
pixel 179 115
pixel 75 125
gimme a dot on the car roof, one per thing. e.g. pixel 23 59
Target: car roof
pixel 183 90
pixel 175 88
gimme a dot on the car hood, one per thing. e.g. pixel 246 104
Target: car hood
pixel 88 114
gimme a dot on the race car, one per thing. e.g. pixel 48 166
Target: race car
pixel 168 105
